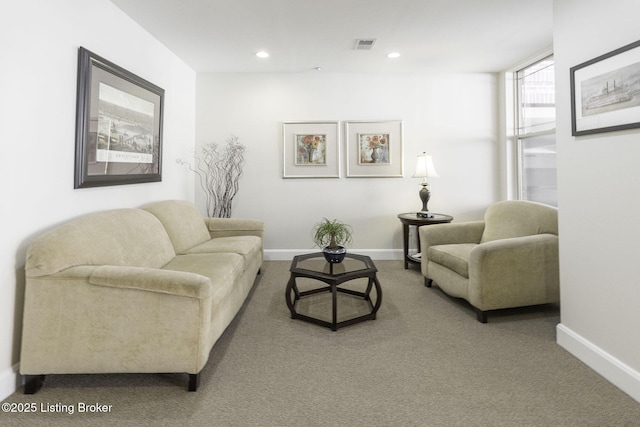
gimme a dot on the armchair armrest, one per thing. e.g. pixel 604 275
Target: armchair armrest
pixel 177 283
pixel 449 234
pixel 225 227
pixel 514 272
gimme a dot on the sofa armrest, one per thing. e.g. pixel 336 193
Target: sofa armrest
pixel 514 272
pixel 225 227
pixel 177 283
pixel 116 319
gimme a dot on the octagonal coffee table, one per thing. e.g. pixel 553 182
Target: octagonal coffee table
pixel 314 266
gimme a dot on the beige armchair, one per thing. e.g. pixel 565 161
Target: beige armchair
pixel 508 260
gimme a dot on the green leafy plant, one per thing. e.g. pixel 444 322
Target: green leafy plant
pixel 331 234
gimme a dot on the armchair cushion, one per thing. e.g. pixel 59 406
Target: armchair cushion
pixel 454 257
pixel 517 218
pixel 448 234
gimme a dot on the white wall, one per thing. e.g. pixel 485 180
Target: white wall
pixel 39 40
pixel 598 182
pixel 453 117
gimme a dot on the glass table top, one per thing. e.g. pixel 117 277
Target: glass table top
pixel 315 264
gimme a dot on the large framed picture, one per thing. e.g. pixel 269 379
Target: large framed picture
pixel 605 92
pixel 374 148
pixel 118 125
pixel 311 149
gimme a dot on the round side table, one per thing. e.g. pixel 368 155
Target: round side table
pixel 412 219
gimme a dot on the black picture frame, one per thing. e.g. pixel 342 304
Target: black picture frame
pixel 605 92
pixel 118 125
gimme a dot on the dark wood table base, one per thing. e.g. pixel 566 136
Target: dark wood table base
pixel 293 295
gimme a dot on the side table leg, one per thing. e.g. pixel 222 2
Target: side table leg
pixel 405 241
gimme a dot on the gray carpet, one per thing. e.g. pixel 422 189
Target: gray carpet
pixel 425 361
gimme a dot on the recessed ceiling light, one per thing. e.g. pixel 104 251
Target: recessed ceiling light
pixel 393 55
pixel 262 54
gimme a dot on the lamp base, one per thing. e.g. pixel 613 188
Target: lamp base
pixel 425 195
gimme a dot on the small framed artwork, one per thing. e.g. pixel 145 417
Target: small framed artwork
pixel 311 149
pixel 605 92
pixel 118 125
pixel 374 148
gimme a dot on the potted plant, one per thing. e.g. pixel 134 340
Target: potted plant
pixel 331 236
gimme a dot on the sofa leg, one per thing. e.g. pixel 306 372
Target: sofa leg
pixel 194 382
pixel 481 315
pixel 428 282
pixel 33 383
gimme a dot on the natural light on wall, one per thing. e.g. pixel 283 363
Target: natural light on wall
pixel 535 132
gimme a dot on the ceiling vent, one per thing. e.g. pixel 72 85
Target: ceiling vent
pixel 364 44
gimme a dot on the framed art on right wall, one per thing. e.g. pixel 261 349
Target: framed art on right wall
pixel 605 92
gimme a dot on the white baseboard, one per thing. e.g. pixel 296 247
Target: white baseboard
pixel 375 254
pixel 617 372
pixel 9 382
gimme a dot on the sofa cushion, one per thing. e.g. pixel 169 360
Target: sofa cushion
pixel 226 227
pixel 454 257
pixel 124 237
pixel 221 268
pixel 182 220
pixel 247 246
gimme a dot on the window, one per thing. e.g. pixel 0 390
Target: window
pixel 535 126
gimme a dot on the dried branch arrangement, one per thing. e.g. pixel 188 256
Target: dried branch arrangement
pixel 219 171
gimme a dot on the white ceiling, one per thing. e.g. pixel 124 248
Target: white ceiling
pixel 300 35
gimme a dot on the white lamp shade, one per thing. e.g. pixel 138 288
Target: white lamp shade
pixel 424 167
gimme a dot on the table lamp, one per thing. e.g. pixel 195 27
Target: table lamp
pixel 424 169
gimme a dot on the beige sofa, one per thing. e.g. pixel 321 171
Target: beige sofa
pixel 145 290
pixel 508 260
